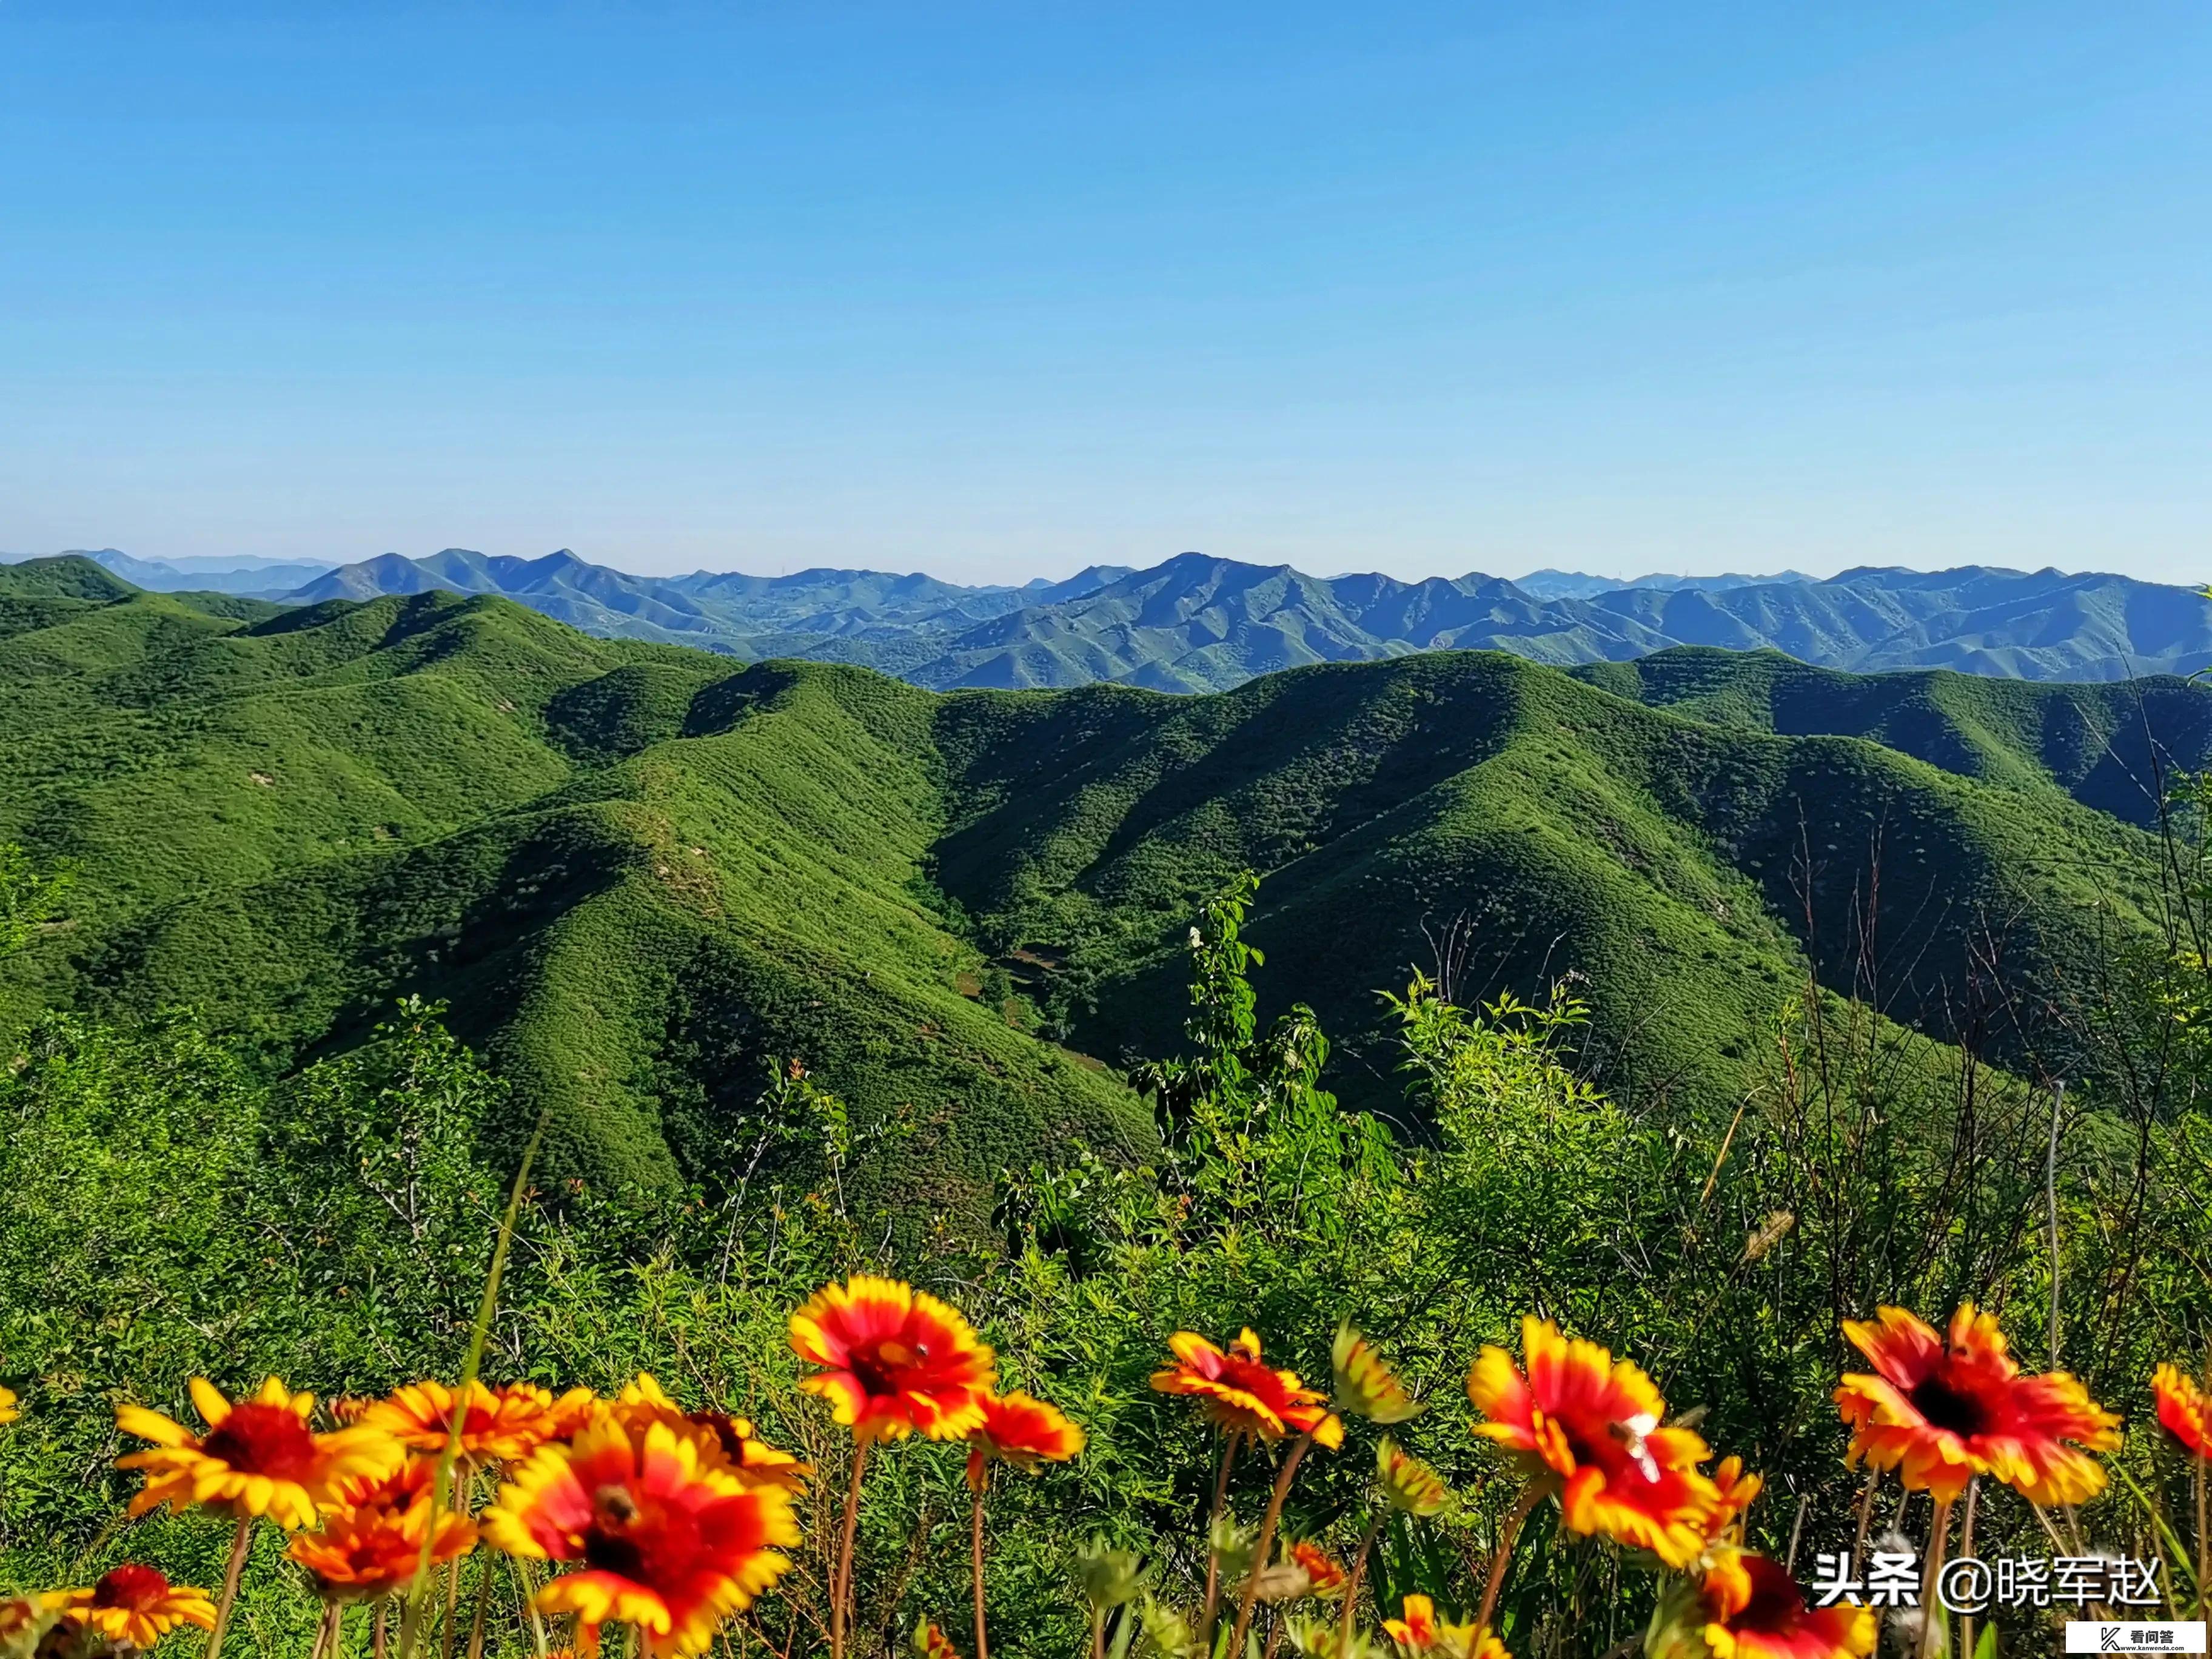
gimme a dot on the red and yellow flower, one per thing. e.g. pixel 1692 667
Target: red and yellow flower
pixel 1593 1426
pixel 1418 1631
pixel 497 1425
pixel 671 1539
pixel 573 1412
pixel 258 1457
pixel 1324 1572
pixel 2183 1410
pixel 891 1359
pixel 1737 1489
pixel 134 1606
pixel 642 1402
pixel 1746 1607
pixel 1237 1390
pixel 1019 1429
pixel 930 1643
pixel 1943 1410
pixel 370 1543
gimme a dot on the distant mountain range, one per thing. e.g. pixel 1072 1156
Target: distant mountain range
pixel 240 573
pixel 1197 623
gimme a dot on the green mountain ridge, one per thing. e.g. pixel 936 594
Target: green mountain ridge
pixel 642 874
pixel 1199 623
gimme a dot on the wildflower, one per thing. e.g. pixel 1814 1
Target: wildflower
pixel 1324 1572
pixel 258 1457
pixel 672 1542
pixel 930 1643
pixel 1238 1392
pixel 1365 1385
pixel 573 1412
pixel 370 1544
pixel 1745 1607
pixel 752 1459
pixel 1945 1411
pixel 1408 1483
pixel 1018 1430
pixel 9 1413
pixel 1579 1419
pixel 1416 1627
pixel 1026 1432
pixel 134 1606
pixel 1736 1490
pixel 892 1360
pixel 2184 1411
pixel 497 1424
pixel 1418 1630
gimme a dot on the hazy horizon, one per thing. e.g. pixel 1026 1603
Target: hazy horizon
pixel 216 562
pixel 992 292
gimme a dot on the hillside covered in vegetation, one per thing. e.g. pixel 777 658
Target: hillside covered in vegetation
pixel 639 874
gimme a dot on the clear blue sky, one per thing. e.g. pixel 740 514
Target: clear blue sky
pixel 1001 291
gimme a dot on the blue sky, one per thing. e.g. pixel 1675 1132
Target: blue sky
pixel 999 291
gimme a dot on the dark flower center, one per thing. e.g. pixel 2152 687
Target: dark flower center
pixel 612 1544
pixel 613 1553
pixel 1948 1407
pixel 883 1367
pixel 262 1439
pixel 130 1586
pixel 1776 1604
pixel 724 1427
pixel 649 1542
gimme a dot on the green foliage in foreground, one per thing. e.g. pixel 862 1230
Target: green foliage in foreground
pixel 175 1215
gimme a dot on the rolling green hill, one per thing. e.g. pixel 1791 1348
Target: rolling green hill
pixel 2110 746
pixel 641 874
pixel 287 823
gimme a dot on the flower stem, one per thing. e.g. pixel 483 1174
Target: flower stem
pixel 840 1577
pixel 1351 1587
pixel 1283 1477
pixel 238 1542
pixel 483 1602
pixel 1866 1512
pixel 1966 1547
pixel 1931 1608
pixel 2204 1539
pixel 527 1591
pixel 983 1643
pixel 453 1608
pixel 1098 1633
pixel 1213 1560
pixel 1509 1535
pixel 326 1632
pixel 376 1633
